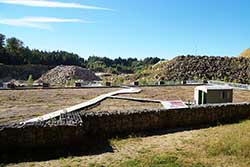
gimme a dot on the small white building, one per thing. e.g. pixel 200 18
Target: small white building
pixel 213 94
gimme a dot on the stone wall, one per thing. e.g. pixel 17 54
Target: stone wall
pixel 83 129
pixel 126 122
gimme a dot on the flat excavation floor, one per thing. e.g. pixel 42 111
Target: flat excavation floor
pixel 18 105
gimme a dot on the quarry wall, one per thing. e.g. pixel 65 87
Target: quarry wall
pixel 22 72
pixel 83 129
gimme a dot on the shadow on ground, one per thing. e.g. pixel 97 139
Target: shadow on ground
pixel 44 154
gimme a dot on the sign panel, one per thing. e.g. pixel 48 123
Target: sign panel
pixel 173 104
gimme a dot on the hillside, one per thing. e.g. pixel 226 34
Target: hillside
pixel 22 72
pixel 200 67
pixel 246 53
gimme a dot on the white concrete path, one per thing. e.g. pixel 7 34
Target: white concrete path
pixel 83 105
pixel 135 99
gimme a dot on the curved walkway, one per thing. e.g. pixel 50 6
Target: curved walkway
pixel 83 105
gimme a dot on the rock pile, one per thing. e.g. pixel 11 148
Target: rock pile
pixel 62 74
pixel 230 69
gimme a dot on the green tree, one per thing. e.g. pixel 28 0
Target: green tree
pixel 14 45
pixel 2 41
pixel 3 56
pixel 14 48
pixel 13 52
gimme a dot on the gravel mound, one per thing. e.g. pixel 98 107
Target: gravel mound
pixel 230 69
pixel 62 74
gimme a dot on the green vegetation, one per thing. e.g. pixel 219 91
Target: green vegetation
pixel 234 143
pixel 118 81
pixel 156 161
pixel 30 80
pixel 227 145
pixel 162 160
pixel 119 65
pixel 13 52
pixel 22 72
pixel 70 83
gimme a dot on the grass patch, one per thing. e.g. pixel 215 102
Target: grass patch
pixel 197 165
pixel 235 142
pixel 95 165
pixel 162 160
pixel 166 160
pixel 153 161
pixel 118 142
pixel 132 162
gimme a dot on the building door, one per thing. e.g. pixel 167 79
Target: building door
pixel 200 97
pixel 204 98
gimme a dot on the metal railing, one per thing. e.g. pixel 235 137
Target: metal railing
pixel 230 84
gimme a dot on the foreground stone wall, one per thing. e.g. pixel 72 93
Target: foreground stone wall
pixel 113 123
pixel 83 129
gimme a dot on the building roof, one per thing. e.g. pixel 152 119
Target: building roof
pixel 212 87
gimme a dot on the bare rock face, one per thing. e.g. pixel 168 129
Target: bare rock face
pixel 62 74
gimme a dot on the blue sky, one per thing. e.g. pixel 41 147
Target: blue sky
pixel 130 28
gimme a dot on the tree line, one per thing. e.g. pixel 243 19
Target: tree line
pixel 14 52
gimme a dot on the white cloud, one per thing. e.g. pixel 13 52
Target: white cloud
pixel 49 20
pixel 21 23
pixel 51 4
pixel 39 22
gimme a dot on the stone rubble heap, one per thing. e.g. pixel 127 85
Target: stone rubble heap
pixel 230 69
pixel 61 74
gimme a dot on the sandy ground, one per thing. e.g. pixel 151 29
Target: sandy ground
pixel 184 93
pixel 118 105
pixel 17 105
